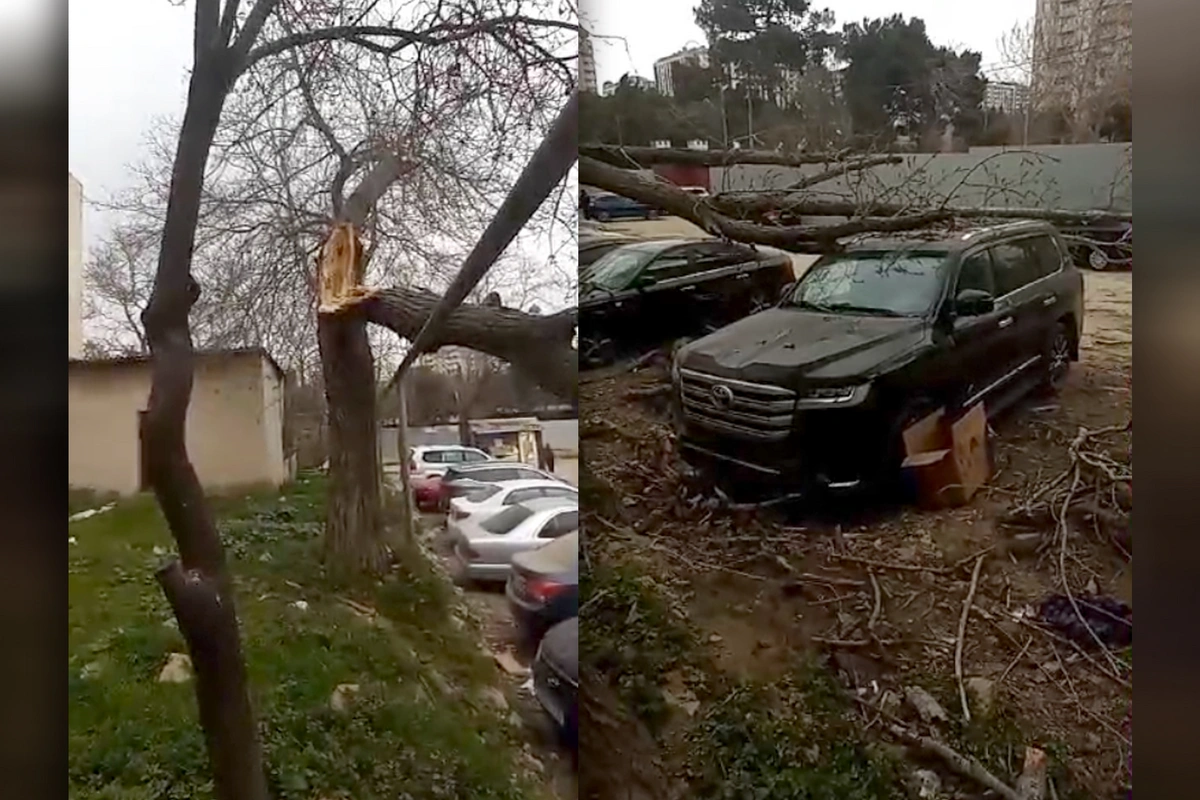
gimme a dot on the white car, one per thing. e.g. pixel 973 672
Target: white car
pixel 484 549
pixel 491 498
pixel 426 461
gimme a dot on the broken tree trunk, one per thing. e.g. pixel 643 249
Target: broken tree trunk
pixel 354 531
pixel 538 347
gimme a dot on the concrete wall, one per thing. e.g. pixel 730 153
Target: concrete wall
pixel 234 436
pixel 74 267
pixel 1075 177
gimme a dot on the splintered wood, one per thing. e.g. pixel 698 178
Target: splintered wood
pixel 341 271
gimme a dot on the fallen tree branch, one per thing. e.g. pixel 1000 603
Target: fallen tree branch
pixel 639 157
pixel 755 204
pixel 962 635
pixel 963 765
pixel 843 169
pixel 537 347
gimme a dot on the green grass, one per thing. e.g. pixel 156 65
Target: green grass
pixel 414 730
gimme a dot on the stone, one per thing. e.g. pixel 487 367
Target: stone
pixel 340 699
pixel 983 691
pixel 927 783
pixel 494 697
pixel 178 669
pixel 716 638
pixel 929 709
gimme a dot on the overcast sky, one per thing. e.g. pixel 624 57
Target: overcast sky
pixel 652 29
pixel 129 64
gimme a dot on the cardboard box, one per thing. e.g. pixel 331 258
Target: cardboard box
pixel 948 460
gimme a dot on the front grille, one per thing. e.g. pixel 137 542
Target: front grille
pixel 740 409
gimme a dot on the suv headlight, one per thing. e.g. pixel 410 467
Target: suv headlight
pixel 826 396
pixel 675 370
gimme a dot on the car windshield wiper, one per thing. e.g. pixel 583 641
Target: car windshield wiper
pixel 811 306
pixel 870 310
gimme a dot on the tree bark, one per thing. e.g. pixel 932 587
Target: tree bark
pixel 354 531
pixel 538 347
pixel 199 588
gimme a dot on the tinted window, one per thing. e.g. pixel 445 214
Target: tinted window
pixel 976 273
pixel 506 520
pixel 522 474
pixel 521 495
pixel 672 264
pixel 482 493
pixel 470 456
pixel 616 269
pixel 1014 267
pixel 889 283
pixel 1046 255
pixel 432 457
pixel 556 491
pixel 561 524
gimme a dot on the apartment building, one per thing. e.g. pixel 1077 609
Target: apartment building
pixel 1082 54
pixel 1009 97
pixel 664 67
pixel 587 64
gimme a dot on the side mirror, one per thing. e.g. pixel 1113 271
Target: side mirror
pixel 786 291
pixel 643 281
pixel 974 303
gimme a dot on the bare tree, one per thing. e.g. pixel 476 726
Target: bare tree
pixel 230 42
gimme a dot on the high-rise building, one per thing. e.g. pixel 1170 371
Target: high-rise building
pixel 663 68
pixel 587 64
pixel 74 267
pixel 1082 54
pixel 1009 97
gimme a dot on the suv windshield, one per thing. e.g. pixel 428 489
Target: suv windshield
pixel 887 283
pixel 616 269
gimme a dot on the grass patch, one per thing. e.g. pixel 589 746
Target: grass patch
pixel 414 729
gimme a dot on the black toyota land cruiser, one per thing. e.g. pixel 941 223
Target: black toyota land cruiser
pixel 815 392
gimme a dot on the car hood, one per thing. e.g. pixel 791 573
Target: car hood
pixel 785 346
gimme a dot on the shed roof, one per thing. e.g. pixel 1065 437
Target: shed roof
pixel 201 355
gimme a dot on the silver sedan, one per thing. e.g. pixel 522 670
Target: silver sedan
pixel 484 548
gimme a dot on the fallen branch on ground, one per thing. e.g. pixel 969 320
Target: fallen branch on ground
pixel 962 635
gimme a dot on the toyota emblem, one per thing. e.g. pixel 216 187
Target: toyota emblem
pixel 722 396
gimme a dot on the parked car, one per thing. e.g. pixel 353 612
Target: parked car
pixel 815 393
pixel 490 498
pixel 1101 245
pixel 556 678
pixel 428 463
pixel 607 207
pixel 485 549
pixel 593 246
pixel 465 478
pixel 543 588
pixel 640 295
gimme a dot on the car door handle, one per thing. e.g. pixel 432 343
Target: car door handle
pixel 741 276
pixel 690 288
pixel 1049 301
pixel 1004 323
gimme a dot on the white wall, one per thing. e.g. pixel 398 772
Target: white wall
pixel 74 267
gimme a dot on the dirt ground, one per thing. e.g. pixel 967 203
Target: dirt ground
pixel 499 638
pixel 878 593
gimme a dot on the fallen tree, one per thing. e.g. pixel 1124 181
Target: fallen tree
pixel 635 157
pixel 743 216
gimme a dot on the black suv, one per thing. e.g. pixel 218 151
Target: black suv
pixel 815 392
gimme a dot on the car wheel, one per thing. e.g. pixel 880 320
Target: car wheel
pixel 651 215
pixel 1057 357
pixel 603 216
pixel 1097 260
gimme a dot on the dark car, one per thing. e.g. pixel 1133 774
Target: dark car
pixel 607 207
pixel 591 248
pixel 556 677
pixel 1101 244
pixel 465 478
pixel 543 588
pixel 816 392
pixel 643 294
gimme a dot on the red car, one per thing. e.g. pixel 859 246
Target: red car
pixel 426 491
